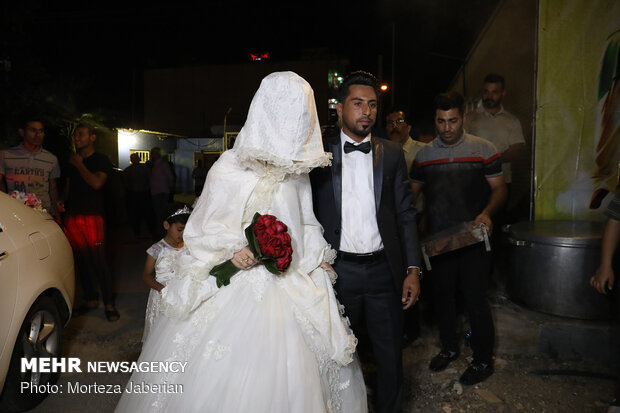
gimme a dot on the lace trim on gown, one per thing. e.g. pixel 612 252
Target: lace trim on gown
pixel 255 159
pixel 329 368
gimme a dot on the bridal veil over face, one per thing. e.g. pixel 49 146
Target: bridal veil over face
pixel 282 127
pixel 281 137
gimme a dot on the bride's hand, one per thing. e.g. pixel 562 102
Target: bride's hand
pixel 243 259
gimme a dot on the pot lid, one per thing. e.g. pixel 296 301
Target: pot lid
pixel 570 233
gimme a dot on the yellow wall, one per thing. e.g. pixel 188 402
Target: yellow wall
pixel 572 37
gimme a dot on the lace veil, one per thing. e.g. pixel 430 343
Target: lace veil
pixel 282 127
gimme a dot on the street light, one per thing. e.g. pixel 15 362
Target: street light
pixel 383 88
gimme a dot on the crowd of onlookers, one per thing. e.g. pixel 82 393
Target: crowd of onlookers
pixel 81 202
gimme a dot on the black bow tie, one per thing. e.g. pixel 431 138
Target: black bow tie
pixel 362 147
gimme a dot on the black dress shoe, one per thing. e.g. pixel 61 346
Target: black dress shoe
pixel 476 372
pixel 442 360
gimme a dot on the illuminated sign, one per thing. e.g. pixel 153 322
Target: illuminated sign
pixel 259 56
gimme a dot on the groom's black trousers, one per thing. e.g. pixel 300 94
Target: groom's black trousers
pixel 366 289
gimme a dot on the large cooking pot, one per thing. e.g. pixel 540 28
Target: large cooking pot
pixel 551 263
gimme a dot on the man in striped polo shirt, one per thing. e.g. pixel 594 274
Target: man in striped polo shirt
pixel 461 176
pixel 29 168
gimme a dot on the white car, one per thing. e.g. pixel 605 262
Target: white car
pixel 37 284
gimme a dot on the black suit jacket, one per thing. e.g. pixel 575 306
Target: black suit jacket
pixel 396 215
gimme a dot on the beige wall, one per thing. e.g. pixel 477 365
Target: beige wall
pixel 507 46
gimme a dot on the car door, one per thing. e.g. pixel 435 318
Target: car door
pixel 9 271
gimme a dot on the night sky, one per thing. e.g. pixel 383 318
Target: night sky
pixel 81 57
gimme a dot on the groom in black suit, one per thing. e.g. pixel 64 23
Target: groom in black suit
pixel 365 205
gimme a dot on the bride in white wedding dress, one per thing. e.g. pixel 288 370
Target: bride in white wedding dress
pixel 264 343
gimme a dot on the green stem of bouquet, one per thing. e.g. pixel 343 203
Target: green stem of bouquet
pixel 223 273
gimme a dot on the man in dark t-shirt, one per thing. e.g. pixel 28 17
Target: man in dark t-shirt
pixel 462 178
pixel 84 220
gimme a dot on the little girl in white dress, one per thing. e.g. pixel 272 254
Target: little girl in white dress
pixel 160 258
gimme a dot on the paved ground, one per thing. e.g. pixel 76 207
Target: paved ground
pixel 572 383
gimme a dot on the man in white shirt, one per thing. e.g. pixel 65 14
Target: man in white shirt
pixel 493 123
pixel 364 204
pixel 399 130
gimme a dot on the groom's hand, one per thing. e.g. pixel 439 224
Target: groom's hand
pixel 411 288
pixel 329 270
pixel 327 266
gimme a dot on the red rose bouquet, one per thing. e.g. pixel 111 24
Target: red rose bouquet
pixel 269 241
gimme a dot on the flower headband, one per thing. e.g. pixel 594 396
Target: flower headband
pixel 181 211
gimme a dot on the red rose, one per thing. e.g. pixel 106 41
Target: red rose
pixel 262 238
pixel 276 245
pixel 284 261
pixel 263 223
pixel 280 226
pixel 271 235
pixel 269 224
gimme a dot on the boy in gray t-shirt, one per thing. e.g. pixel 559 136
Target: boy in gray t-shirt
pixel 29 168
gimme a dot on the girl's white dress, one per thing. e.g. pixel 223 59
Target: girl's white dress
pixel 264 343
pixel 165 256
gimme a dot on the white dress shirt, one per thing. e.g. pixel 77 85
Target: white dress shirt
pixel 359 233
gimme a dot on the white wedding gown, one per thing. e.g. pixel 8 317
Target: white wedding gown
pixel 264 343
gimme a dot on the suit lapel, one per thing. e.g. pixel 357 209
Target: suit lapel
pixel 377 169
pixel 336 150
